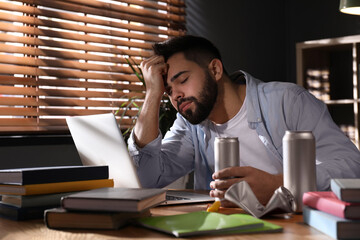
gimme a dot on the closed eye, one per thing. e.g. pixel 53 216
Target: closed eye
pixel 182 82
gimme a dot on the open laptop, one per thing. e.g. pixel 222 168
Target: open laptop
pixel 99 141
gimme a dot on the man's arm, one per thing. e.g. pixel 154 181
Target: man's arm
pixel 162 161
pixel 147 125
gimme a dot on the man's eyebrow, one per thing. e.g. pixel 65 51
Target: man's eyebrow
pixel 177 75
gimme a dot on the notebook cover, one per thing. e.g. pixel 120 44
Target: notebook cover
pixel 328 202
pixel 19 214
pixel 60 218
pixel 115 199
pixel 346 189
pixel 46 188
pixel 24 176
pixel 205 223
pixel 338 228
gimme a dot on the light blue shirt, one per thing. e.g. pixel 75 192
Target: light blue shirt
pixel 272 108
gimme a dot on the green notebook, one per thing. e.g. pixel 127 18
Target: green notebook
pixel 201 223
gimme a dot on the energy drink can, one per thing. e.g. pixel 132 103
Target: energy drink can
pixel 299 164
pixel 226 152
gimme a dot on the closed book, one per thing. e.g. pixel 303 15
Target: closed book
pixel 205 223
pixel 339 228
pixel 34 200
pixel 328 202
pixel 115 199
pixel 46 188
pixel 24 176
pixel 18 214
pixel 60 218
pixel 346 189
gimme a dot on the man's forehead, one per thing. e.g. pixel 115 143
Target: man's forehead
pixel 177 65
pixel 177 60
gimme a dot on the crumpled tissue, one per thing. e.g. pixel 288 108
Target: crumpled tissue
pixel 241 194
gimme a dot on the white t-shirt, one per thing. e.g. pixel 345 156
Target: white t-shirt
pixel 252 150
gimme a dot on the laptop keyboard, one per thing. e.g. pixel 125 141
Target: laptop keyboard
pixel 176 198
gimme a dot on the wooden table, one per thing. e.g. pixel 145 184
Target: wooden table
pixel 294 228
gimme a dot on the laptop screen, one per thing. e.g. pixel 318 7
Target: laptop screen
pixel 99 141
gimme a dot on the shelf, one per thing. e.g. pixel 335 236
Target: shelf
pixel 329 69
pixel 341 101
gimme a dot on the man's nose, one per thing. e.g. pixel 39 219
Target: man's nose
pixel 177 94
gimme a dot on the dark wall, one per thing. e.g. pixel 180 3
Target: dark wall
pixel 250 36
pixel 260 36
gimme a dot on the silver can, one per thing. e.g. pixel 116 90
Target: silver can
pixel 299 164
pixel 226 152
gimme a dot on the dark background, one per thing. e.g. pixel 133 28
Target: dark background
pixel 258 37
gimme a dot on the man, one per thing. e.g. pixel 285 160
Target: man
pixel 211 103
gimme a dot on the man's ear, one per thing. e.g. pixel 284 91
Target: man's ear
pixel 216 68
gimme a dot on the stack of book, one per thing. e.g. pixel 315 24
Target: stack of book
pixel 27 192
pixel 105 208
pixel 336 212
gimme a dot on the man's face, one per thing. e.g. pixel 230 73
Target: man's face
pixel 192 90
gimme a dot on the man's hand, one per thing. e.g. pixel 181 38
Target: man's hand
pixel 147 125
pixel 153 69
pixel 262 183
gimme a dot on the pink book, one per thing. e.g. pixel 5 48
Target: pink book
pixel 329 203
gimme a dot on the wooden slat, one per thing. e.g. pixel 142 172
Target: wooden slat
pixel 77 27
pixel 46 122
pixel 8 27
pixel 62 54
pixel 129 10
pixel 9 80
pixel 31 61
pixel 75 17
pixel 57 112
pixel 12 69
pixel 180 3
pixel 30 91
pixel 102 12
pixel 24 130
pixel 149 4
pixel 75 46
pixel 34 102
pixel 31 122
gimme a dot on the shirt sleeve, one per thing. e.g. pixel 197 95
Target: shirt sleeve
pixel 163 161
pixel 336 155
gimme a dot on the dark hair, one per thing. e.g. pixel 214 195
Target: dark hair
pixel 196 49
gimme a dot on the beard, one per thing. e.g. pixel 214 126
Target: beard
pixel 204 104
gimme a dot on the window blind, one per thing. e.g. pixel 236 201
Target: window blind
pixel 70 57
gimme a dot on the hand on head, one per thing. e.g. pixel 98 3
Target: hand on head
pixel 154 69
pixel 262 183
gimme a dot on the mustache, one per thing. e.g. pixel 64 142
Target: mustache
pixel 181 100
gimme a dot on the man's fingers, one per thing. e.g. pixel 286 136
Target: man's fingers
pixel 217 193
pixel 224 184
pixel 232 172
pixel 154 69
pixel 154 60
